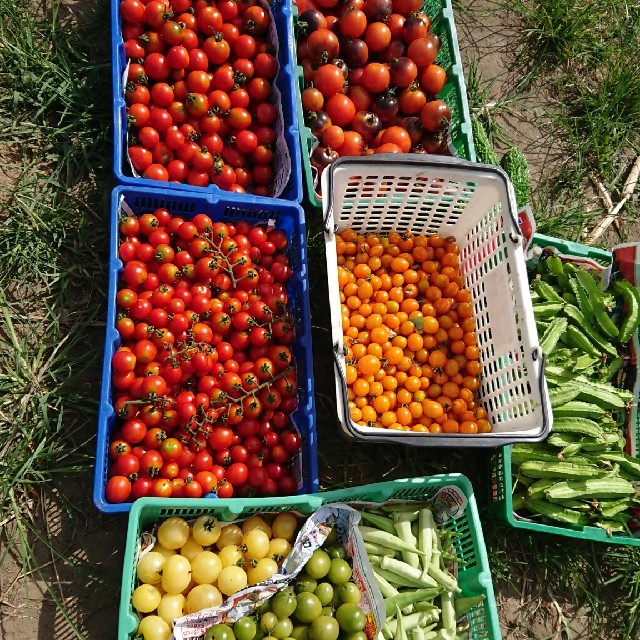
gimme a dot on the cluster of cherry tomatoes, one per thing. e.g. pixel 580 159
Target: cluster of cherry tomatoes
pixel 371 79
pixel 199 92
pixel 412 356
pixel 204 383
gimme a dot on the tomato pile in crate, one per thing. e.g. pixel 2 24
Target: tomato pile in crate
pixel 371 79
pixel 409 334
pixel 200 91
pixel 311 566
pixel 436 310
pixel 207 368
pixel 371 84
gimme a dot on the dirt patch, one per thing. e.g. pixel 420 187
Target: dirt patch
pixel 88 583
pixel 522 619
pixel 487 36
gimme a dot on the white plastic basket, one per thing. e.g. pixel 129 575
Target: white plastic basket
pixel 476 204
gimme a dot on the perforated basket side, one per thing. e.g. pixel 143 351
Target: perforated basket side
pixel 475 203
pixel 286 216
pixel 487 264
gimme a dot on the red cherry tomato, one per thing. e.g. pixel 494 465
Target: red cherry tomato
pixel 118 489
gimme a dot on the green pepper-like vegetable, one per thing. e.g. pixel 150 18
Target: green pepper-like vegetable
pixel 631 297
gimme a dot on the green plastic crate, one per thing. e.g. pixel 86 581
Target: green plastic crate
pixel 454 94
pixel 501 482
pixel 567 247
pixel 474 577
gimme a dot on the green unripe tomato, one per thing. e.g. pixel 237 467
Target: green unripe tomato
pixel 358 635
pixel 308 608
pixel 330 539
pixel 349 592
pixel 324 591
pixel 336 551
pixel 300 632
pixel 268 622
pixel 304 582
pixel 245 628
pixel 283 629
pixel 339 572
pixel 283 604
pixel 219 632
pixel 350 617
pixel 318 564
pixel 324 628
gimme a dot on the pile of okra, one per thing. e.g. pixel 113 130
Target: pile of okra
pixel 580 475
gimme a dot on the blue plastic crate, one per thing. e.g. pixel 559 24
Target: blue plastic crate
pixel 285 81
pixel 219 206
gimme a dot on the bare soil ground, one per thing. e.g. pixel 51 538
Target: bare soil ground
pixel 487 36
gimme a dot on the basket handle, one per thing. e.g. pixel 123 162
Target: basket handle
pixel 343 381
pixel 393 162
pixel 539 354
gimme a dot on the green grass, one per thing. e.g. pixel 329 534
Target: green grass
pixel 54 118
pixel 583 60
pixel 537 568
pixel 55 101
pixel 584 57
pixel 490 112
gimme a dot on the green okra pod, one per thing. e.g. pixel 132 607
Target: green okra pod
pixel 597 303
pixel 552 335
pixel 631 297
pixel 591 487
pixel 547 292
pixel 556 512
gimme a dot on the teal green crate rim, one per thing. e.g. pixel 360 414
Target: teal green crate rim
pixel 474 577
pixel 454 94
pixel 567 247
pixel 500 482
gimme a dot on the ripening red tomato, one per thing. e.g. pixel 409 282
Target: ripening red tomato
pixel 117 489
